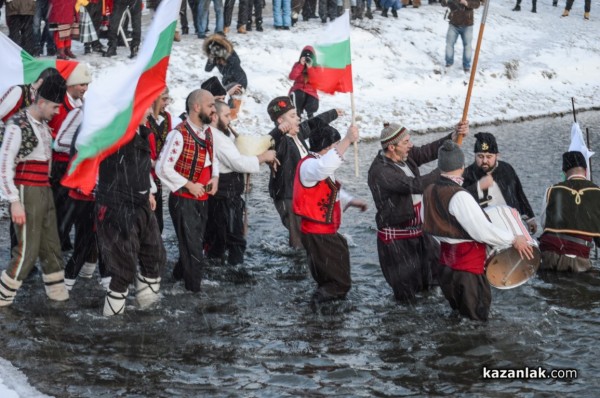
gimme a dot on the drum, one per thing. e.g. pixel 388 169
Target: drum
pixel 504 267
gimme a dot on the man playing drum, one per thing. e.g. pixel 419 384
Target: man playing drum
pixel 571 218
pixel 453 216
pixel 494 182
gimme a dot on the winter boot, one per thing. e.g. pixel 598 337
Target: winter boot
pixel 353 15
pixel 55 286
pixel 394 13
pixel 340 11
pixel 555 3
pixel 134 51
pixel 259 27
pixel 98 47
pixel 226 30
pixel 177 36
pixel 69 53
pixel 87 48
pixel 242 29
pixel 146 291
pixel 114 303
pixel 368 14
pixel 8 289
pixel 69 283
pixel 185 30
pixel 111 52
pixel 61 54
pixel 586 16
pixel 518 6
pixel 384 12
pixel 87 271
pixel 565 13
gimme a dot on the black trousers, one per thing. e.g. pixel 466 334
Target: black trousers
pixel 327 8
pixel 329 265
pixel 228 12
pixel 135 8
pixel 309 9
pixel 587 6
pixel 65 209
pixel 245 12
pixel 86 246
pixel 468 293
pixel 305 102
pixel 225 229
pixel 407 265
pixel 189 218
pixel 95 11
pixel 20 30
pixel 158 212
pixel 127 237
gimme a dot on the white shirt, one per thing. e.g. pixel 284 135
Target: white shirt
pixel 10 150
pixel 470 216
pixel 67 130
pixel 416 198
pixel 9 100
pixel 322 167
pixel 165 164
pixel 493 191
pixel 230 158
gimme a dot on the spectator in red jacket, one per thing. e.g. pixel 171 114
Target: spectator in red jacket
pixel 303 94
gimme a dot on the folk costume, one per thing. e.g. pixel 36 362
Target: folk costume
pixel 64 22
pixel 290 149
pixel 160 128
pixel 407 256
pixel 507 188
pixel 66 120
pixel 571 219
pixel 188 156
pixel 225 226
pixel 319 200
pixel 25 157
pixel 455 219
pixel 128 235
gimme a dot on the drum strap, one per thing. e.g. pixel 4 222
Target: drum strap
pixel 572 239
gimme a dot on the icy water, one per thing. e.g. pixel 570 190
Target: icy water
pixel 261 339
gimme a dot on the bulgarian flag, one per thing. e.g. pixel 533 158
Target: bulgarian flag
pixel 332 72
pixel 115 104
pixel 19 67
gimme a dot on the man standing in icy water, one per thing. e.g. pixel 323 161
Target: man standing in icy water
pixel 188 167
pixel 571 218
pixel 128 233
pixel 453 216
pixel 406 255
pixel 25 157
pixel 319 201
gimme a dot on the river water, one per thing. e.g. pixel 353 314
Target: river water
pixel 260 338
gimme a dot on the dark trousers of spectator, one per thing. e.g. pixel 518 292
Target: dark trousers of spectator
pixel 86 247
pixel 20 30
pixel 95 11
pixel 229 4
pixel 194 7
pixel 189 218
pixel 42 37
pixel 127 237
pixel 65 208
pixel 135 8
pixel 327 8
pixel 305 102
pixel 587 6
pixel 245 12
pixel 309 9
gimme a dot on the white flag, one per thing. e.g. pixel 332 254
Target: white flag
pixel 578 144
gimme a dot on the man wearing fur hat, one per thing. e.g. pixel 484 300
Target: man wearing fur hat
pixel 25 157
pixel 226 95
pixel 407 256
pixel 570 218
pixel 225 226
pixel 221 54
pixel 290 136
pixel 188 167
pixel 67 121
pixel 455 219
pixel 319 200
pixel 494 182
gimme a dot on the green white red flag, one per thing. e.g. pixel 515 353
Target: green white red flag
pixel 17 67
pixel 115 104
pixel 332 72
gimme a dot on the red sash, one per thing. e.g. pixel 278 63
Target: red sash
pixel 32 173
pixel 464 256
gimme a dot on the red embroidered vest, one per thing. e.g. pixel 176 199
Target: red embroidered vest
pixel 192 159
pixel 320 211
pixel 55 125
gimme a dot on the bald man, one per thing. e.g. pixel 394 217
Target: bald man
pixel 187 167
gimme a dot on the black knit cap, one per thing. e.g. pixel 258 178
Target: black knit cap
pixel 214 86
pixel 279 106
pixel 53 89
pixel 573 159
pixel 485 142
pixel 322 137
pixel 450 156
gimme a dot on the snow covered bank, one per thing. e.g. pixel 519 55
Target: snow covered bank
pixel 13 383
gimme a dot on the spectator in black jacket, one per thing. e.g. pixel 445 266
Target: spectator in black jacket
pixel 220 53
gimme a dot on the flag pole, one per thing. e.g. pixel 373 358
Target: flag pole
pixel 347 9
pixel 573 106
pixel 474 66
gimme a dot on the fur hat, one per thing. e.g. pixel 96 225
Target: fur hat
pixel 392 134
pixel 322 137
pixel 450 157
pixel 53 89
pixel 573 159
pixel 279 106
pixel 80 75
pixel 485 142
pixel 214 86
pixel 217 46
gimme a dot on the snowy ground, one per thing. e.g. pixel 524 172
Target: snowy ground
pixel 530 65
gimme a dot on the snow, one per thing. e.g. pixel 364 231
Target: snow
pixel 530 65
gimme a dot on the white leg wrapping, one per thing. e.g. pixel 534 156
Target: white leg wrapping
pixel 69 283
pixel 114 304
pixel 87 271
pixel 8 289
pixel 146 291
pixel 55 286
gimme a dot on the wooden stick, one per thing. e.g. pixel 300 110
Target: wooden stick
pixel 587 137
pixel 573 105
pixel 474 67
pixel 355 143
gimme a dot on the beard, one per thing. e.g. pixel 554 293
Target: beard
pixel 204 118
pixel 222 126
pixel 486 168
